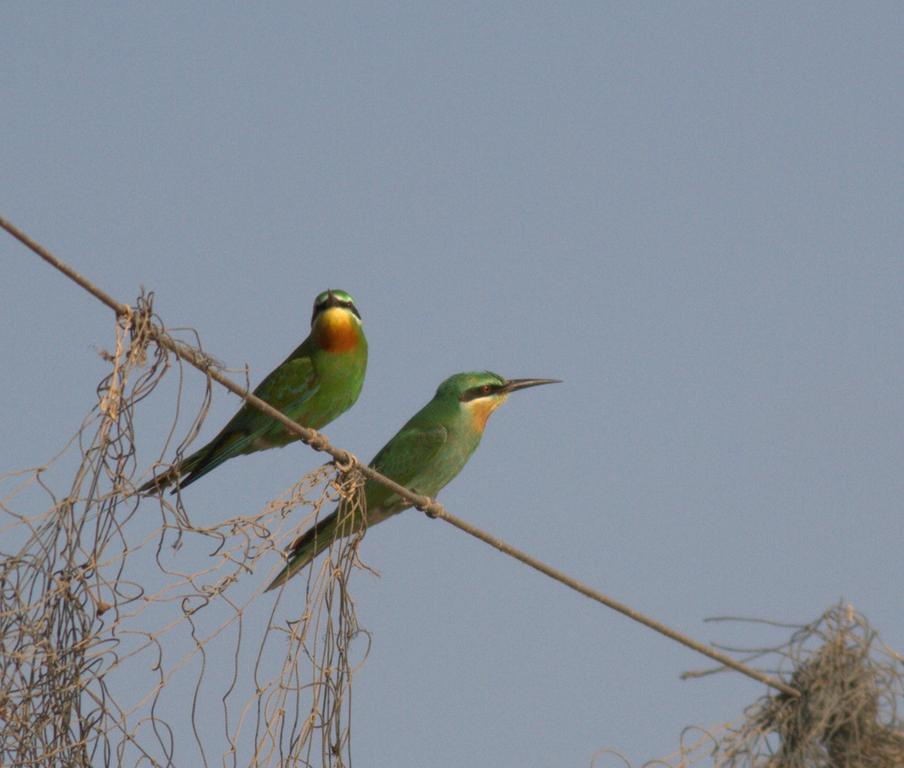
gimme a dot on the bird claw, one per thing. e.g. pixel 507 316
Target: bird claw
pixel 432 509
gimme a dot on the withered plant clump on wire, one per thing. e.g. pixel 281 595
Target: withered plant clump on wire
pixel 846 715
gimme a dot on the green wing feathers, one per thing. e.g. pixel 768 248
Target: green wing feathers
pixel 290 384
pixel 406 458
pixel 402 459
pixel 287 388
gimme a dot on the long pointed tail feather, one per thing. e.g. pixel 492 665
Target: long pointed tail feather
pixel 202 461
pixel 171 476
pixel 314 540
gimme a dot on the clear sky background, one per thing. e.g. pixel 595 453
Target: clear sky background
pixel 690 212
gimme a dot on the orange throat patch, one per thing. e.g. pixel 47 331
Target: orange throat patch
pixel 336 330
pixel 481 408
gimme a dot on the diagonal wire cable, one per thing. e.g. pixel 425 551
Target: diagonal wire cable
pixel 429 506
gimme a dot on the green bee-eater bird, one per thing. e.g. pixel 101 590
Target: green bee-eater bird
pixel 319 381
pixel 430 450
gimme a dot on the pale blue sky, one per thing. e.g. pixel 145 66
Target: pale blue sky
pixel 690 212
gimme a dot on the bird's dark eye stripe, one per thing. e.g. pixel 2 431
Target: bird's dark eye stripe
pixel 483 390
pixel 350 305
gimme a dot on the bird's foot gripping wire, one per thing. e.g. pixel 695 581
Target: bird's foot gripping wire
pixel 433 509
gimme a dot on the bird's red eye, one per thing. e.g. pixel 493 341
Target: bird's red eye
pixel 485 389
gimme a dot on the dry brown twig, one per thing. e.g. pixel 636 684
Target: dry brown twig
pixel 430 506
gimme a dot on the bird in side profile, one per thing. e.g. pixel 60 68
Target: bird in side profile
pixel 319 381
pixel 430 450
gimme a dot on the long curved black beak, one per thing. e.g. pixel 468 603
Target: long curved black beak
pixel 512 385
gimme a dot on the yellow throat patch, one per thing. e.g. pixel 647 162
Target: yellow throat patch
pixel 481 408
pixel 336 330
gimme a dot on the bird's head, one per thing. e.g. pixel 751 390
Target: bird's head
pixel 336 322
pixel 479 394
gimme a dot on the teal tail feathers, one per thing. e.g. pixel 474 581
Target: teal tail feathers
pixel 313 541
pixel 173 474
pixel 202 461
